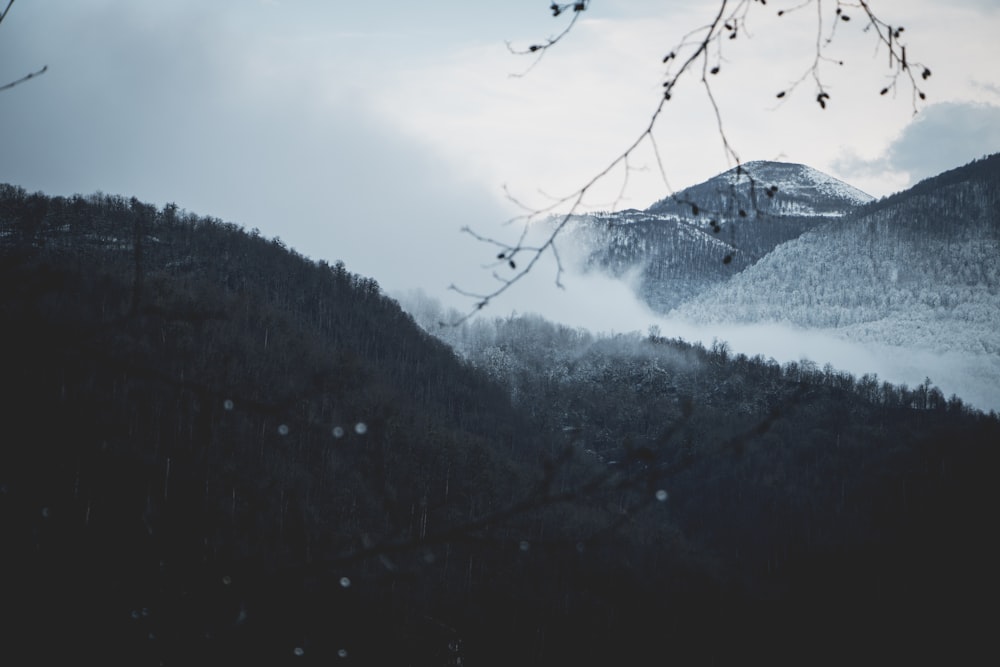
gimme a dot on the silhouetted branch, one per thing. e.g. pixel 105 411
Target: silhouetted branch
pixel 3 14
pixel 888 36
pixel 557 10
pixel 702 46
pixel 26 77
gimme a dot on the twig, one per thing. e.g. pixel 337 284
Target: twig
pixel 3 14
pixel 695 45
pixel 540 49
pixel 7 86
pixel 576 199
pixel 32 75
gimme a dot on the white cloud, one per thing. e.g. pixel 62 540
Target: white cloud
pixel 593 94
pixel 941 137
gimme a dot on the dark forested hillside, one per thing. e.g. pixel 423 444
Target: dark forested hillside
pixel 848 495
pixel 188 404
pixel 218 451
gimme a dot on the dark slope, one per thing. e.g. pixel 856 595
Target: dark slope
pixel 841 511
pixel 173 488
pixel 204 432
pixel 982 169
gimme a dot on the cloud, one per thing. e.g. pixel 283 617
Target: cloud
pixel 943 136
pixel 601 304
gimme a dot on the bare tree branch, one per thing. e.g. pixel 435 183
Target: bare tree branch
pixel 695 47
pixel 575 199
pixel 32 75
pixel 557 9
pixel 3 14
pixel 26 77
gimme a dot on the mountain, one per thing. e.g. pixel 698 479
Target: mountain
pixel 795 190
pixel 707 233
pixel 918 270
pixel 208 438
pixel 801 479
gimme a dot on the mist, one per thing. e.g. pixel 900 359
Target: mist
pixel 602 304
pixel 354 137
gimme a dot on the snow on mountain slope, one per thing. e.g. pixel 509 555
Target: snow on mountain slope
pixel 919 270
pixel 769 188
pixel 799 180
pixel 710 232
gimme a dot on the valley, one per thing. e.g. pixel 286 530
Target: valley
pixel 219 450
pixel 915 273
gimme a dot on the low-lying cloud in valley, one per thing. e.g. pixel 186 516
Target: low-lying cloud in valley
pixel 602 304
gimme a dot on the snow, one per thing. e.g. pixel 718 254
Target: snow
pixel 799 180
pixel 917 276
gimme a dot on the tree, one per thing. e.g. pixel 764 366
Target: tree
pixel 30 75
pixel 699 55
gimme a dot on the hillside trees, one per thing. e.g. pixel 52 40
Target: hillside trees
pixel 265 454
pixel 234 410
pixel 763 462
pixel 911 269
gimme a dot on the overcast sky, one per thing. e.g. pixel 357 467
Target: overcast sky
pixel 372 132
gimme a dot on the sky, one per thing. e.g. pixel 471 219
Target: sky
pixel 372 133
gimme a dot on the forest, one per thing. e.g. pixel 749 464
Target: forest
pixel 916 269
pixel 218 450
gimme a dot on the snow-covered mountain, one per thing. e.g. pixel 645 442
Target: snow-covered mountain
pixel 769 188
pixel 921 268
pixel 914 276
pixel 707 233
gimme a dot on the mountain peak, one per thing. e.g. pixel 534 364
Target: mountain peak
pixel 782 188
pixel 798 179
